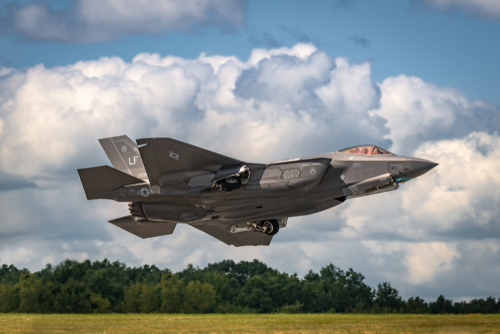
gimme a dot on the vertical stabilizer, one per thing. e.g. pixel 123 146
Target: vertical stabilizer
pixel 124 155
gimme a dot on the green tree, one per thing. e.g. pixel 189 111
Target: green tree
pixel 72 298
pixel 388 298
pixel 441 306
pixel 312 293
pixel 225 287
pixel 132 300
pixel 254 296
pixel 343 291
pixel 150 275
pixel 34 296
pixel 171 292
pixel 291 309
pixel 416 305
pixel 108 279
pixel 283 289
pixel 150 299
pixel 242 271
pixel 10 275
pixel 9 298
pixel 198 297
pixel 141 298
pixel 99 304
pixel 477 306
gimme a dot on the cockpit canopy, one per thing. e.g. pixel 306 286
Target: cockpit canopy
pixel 366 150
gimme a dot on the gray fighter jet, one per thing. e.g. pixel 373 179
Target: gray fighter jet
pixel 167 182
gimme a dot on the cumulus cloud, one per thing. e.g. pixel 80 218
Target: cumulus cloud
pixel 269 99
pixel 102 20
pixel 279 103
pixel 417 111
pixel 489 9
pixel 54 117
pixel 423 233
pixel 461 194
pixel 423 260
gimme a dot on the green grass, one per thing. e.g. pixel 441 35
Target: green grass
pixel 248 323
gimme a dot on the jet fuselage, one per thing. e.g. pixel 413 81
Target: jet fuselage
pixel 180 183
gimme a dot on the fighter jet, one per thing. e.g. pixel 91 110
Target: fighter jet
pixel 167 182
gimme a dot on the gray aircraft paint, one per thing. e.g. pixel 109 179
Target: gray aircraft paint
pixel 167 182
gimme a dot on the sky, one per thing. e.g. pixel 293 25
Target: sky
pixel 260 81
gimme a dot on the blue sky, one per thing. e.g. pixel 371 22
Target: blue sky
pixel 450 49
pixel 260 81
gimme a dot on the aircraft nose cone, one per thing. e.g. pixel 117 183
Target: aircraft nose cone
pixel 420 166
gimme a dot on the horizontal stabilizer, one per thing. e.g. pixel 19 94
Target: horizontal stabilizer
pixel 144 228
pixel 101 182
pixel 221 232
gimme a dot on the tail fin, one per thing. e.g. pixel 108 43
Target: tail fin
pixel 124 155
pixel 101 182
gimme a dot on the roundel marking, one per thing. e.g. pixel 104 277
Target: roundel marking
pixel 144 192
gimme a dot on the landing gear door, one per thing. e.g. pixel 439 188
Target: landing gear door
pixel 282 222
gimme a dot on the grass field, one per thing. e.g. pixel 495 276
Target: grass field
pixel 250 323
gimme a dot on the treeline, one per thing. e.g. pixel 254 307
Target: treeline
pixel 224 287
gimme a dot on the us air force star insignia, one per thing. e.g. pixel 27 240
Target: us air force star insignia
pixel 312 170
pixel 124 148
pixel 174 155
pixel 144 192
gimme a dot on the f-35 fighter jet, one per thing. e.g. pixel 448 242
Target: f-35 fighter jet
pixel 167 182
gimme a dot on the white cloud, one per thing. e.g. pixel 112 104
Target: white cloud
pixel 423 260
pixel 437 232
pixel 465 187
pixel 101 20
pixel 56 115
pixel 417 111
pixel 461 194
pixel 481 8
pixel 280 103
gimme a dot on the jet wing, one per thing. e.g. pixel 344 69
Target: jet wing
pixel 222 233
pixel 145 228
pixel 167 156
